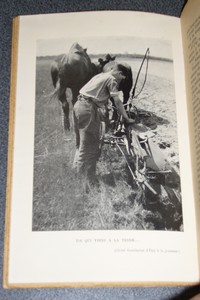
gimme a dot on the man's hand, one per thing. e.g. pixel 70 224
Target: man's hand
pixel 122 111
pixel 130 121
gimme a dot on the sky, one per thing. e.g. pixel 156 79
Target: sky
pixel 131 45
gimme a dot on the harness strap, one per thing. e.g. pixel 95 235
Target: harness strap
pixel 83 97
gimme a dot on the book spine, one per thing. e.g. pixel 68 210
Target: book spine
pixel 13 86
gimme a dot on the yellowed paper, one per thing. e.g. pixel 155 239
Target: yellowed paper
pixel 190 23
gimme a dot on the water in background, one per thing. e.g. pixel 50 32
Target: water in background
pixel 163 69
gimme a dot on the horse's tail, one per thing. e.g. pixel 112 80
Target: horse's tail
pixel 55 80
pixel 54 73
pixel 54 94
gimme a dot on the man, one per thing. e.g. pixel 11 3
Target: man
pixel 95 95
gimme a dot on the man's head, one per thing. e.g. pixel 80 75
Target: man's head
pixel 120 72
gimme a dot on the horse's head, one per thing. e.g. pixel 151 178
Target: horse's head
pixel 103 61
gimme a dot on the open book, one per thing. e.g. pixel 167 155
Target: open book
pixel 140 225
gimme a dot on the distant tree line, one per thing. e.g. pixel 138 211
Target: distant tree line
pixel 118 55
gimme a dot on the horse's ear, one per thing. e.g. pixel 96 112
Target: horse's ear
pixel 108 57
pixel 85 50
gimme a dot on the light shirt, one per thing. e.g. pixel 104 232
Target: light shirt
pixel 100 88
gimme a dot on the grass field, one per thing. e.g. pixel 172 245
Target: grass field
pixel 59 201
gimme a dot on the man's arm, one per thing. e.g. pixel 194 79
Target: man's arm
pixel 121 110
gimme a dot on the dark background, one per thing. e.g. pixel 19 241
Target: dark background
pixel 9 9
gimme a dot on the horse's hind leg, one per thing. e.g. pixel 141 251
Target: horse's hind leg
pixel 65 108
pixel 75 93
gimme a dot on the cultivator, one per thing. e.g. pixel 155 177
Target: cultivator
pixel 144 159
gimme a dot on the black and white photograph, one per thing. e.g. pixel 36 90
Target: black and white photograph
pixel 106 151
pixel 102 167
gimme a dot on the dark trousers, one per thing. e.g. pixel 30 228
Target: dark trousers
pixel 87 130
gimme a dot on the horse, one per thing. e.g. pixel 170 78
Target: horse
pixel 75 69
pixel 71 70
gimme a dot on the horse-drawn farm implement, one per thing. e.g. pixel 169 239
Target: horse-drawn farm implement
pixel 147 165
pixel 146 162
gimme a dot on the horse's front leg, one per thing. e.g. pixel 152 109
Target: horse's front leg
pixel 125 99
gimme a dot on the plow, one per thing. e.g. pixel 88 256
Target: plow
pixel 145 161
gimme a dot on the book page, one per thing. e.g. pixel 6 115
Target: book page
pixel 136 227
pixel 190 21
